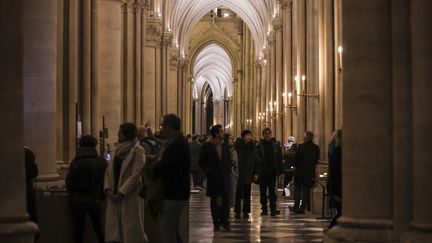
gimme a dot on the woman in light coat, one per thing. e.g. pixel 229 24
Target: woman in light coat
pixel 124 214
pixel 229 140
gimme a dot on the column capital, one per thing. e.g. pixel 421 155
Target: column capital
pixel 165 39
pixel 153 30
pixel 260 63
pixel 277 23
pixel 286 4
pixel 128 6
pixel 183 63
pixel 174 60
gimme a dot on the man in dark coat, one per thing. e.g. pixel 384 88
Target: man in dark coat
pixel 248 171
pixel 174 168
pixel 216 163
pixel 305 159
pixel 84 183
pixel 197 174
pixel 31 173
pixel 270 167
pixel 334 181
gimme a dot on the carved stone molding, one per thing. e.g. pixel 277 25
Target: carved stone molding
pixel 128 6
pixel 277 23
pixel 286 4
pixel 165 39
pixel 183 63
pixel 153 31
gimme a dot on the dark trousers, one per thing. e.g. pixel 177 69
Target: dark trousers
pixel 243 191
pixel 287 179
pixel 219 210
pixel 302 192
pixel 94 210
pixel 198 178
pixel 268 183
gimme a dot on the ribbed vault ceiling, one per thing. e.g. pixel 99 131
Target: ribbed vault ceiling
pixel 182 15
pixel 213 65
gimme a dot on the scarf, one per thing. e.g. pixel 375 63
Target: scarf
pixel 123 148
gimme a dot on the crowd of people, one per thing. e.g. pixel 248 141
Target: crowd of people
pixel 155 170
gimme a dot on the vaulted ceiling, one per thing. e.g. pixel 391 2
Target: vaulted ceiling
pixel 180 17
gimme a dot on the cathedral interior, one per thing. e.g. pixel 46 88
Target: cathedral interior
pixel 75 67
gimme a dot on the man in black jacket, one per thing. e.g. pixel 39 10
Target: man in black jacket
pixel 216 163
pixel 270 167
pixel 84 183
pixel 248 171
pixel 174 168
pixel 305 159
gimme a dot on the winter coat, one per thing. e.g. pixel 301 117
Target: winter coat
pixel 87 166
pixel 234 176
pixel 124 219
pixel 269 162
pixel 174 168
pixel 217 170
pixel 306 159
pixel 195 149
pixel 247 161
pixel 334 182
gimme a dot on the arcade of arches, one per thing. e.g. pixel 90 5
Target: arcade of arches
pixel 71 67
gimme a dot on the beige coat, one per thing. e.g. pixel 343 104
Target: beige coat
pixel 124 219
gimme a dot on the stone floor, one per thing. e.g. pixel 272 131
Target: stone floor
pixel 282 228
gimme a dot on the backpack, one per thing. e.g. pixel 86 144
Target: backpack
pixel 86 177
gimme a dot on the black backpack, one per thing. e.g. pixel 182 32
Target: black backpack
pixel 85 177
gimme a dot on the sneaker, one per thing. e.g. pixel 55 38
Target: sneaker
pixel 274 213
pixel 237 216
pixel 264 213
pixel 216 228
pixel 200 188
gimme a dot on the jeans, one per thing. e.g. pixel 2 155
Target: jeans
pixel 268 182
pixel 94 210
pixel 243 191
pixel 170 220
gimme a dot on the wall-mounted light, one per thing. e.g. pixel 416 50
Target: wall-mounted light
pixel 226 15
pixel 340 66
pixel 302 87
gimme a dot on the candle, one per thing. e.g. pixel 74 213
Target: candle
pixel 303 87
pixel 340 50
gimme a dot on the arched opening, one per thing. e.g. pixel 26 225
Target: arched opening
pixel 212 72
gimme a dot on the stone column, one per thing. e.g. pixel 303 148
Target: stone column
pixel 40 62
pixel 368 116
pixel 128 61
pixel 138 45
pixel 109 71
pixel 312 81
pixel 166 39
pixel 277 27
pixel 86 65
pixel 337 10
pixel 14 224
pixel 96 119
pixel 287 67
pixel 421 54
pixel 151 72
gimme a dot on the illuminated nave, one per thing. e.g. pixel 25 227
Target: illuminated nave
pixel 70 68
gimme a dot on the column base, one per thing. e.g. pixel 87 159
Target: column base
pixel 359 230
pixel 17 232
pixel 421 233
pixel 43 177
